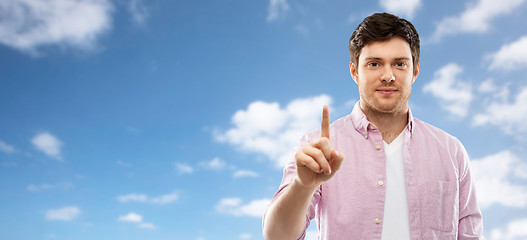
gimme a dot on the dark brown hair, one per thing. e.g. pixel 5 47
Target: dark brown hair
pixel 381 27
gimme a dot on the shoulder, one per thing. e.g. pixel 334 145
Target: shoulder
pixel 432 136
pixel 431 132
pixel 447 147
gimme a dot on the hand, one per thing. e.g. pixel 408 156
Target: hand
pixel 318 161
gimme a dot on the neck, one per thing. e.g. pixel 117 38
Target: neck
pixel 390 124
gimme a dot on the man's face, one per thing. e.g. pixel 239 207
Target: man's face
pixel 385 75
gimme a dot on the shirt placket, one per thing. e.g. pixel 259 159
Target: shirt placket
pixel 412 194
pixel 378 182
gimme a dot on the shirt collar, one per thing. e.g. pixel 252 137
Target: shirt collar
pixel 363 126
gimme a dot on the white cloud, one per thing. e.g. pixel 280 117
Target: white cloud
pixel 233 206
pixel 302 29
pixel 215 164
pixel 163 199
pixel 515 230
pixel 496 92
pixel 138 11
pixel 63 214
pixel 4 147
pixel 493 180
pixel 244 173
pixel 48 144
pixel 245 236
pixel 268 129
pixel 133 198
pixel 182 168
pixel 45 186
pixel 511 56
pixel 147 226
pixel 136 218
pixel 454 94
pixel 37 188
pixel 487 86
pixel 226 203
pixel 277 8
pixel 28 24
pixel 476 18
pixel 406 8
pixel 511 117
pixel 131 217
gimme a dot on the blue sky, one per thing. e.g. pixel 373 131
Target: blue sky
pixel 133 119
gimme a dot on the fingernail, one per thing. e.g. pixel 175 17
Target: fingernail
pixel 328 172
pixel 337 153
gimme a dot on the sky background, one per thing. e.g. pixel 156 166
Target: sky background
pixel 135 119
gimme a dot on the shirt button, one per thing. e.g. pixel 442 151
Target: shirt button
pixel 372 127
pixel 378 146
pixel 364 132
pixel 381 183
pixel 377 220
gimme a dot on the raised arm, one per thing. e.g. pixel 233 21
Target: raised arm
pixel 316 163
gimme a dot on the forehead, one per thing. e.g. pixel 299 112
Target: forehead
pixel 392 48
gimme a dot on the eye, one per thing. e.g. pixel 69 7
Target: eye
pixel 401 65
pixel 373 64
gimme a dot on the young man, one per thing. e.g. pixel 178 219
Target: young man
pixel 378 173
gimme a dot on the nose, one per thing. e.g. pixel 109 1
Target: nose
pixel 387 74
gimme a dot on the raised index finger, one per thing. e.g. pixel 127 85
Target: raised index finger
pixel 324 129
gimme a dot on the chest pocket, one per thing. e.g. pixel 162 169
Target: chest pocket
pixel 439 203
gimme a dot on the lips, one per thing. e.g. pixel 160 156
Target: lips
pixel 386 90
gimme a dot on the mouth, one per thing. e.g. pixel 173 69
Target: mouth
pixel 386 91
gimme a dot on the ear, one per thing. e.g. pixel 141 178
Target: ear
pixel 416 73
pixel 353 73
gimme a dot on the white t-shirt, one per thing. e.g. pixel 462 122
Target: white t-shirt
pixel 395 224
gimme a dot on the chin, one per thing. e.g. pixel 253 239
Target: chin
pixel 388 107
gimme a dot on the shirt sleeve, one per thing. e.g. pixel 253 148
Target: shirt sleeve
pixel 470 224
pixel 289 176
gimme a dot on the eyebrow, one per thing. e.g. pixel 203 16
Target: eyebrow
pixel 378 59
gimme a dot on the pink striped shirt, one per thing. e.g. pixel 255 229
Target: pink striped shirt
pixel 440 188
